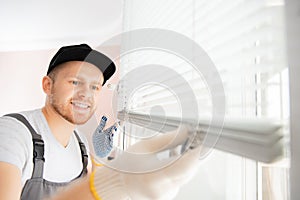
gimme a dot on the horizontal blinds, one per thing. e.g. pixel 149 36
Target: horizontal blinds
pixel 245 41
pixel 253 138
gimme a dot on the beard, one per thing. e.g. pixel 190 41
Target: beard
pixel 65 109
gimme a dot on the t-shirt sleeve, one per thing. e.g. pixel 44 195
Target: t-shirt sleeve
pixel 14 138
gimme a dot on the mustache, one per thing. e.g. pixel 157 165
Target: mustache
pixel 55 98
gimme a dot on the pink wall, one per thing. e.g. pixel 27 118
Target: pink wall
pixel 21 76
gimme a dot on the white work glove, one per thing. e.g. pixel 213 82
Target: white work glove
pixel 164 183
pixel 103 139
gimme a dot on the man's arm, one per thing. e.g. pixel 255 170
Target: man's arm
pixel 76 191
pixel 114 185
pixel 110 184
pixel 10 182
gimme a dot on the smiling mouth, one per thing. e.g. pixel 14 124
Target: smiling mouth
pixel 80 105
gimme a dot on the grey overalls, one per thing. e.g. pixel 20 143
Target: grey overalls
pixel 38 188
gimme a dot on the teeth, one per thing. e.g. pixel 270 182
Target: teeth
pixel 81 105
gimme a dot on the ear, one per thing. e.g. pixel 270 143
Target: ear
pixel 47 84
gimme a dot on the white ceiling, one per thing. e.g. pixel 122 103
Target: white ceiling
pixel 37 25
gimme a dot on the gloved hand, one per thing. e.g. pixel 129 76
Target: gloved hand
pixel 103 139
pixel 111 184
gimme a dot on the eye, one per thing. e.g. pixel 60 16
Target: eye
pixel 75 82
pixel 95 87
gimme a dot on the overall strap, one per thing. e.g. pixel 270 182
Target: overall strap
pixel 38 147
pixel 84 155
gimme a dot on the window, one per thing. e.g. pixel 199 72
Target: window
pixel 245 41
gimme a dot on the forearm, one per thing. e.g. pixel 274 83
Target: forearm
pixel 109 184
pixel 105 184
pixel 77 191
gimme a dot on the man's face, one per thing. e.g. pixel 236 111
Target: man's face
pixel 75 90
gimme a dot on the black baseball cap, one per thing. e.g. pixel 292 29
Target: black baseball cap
pixel 85 53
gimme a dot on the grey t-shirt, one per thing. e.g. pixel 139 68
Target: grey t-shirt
pixel 61 163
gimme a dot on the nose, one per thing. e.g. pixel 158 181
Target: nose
pixel 85 91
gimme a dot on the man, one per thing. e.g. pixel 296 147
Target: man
pixel 74 79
